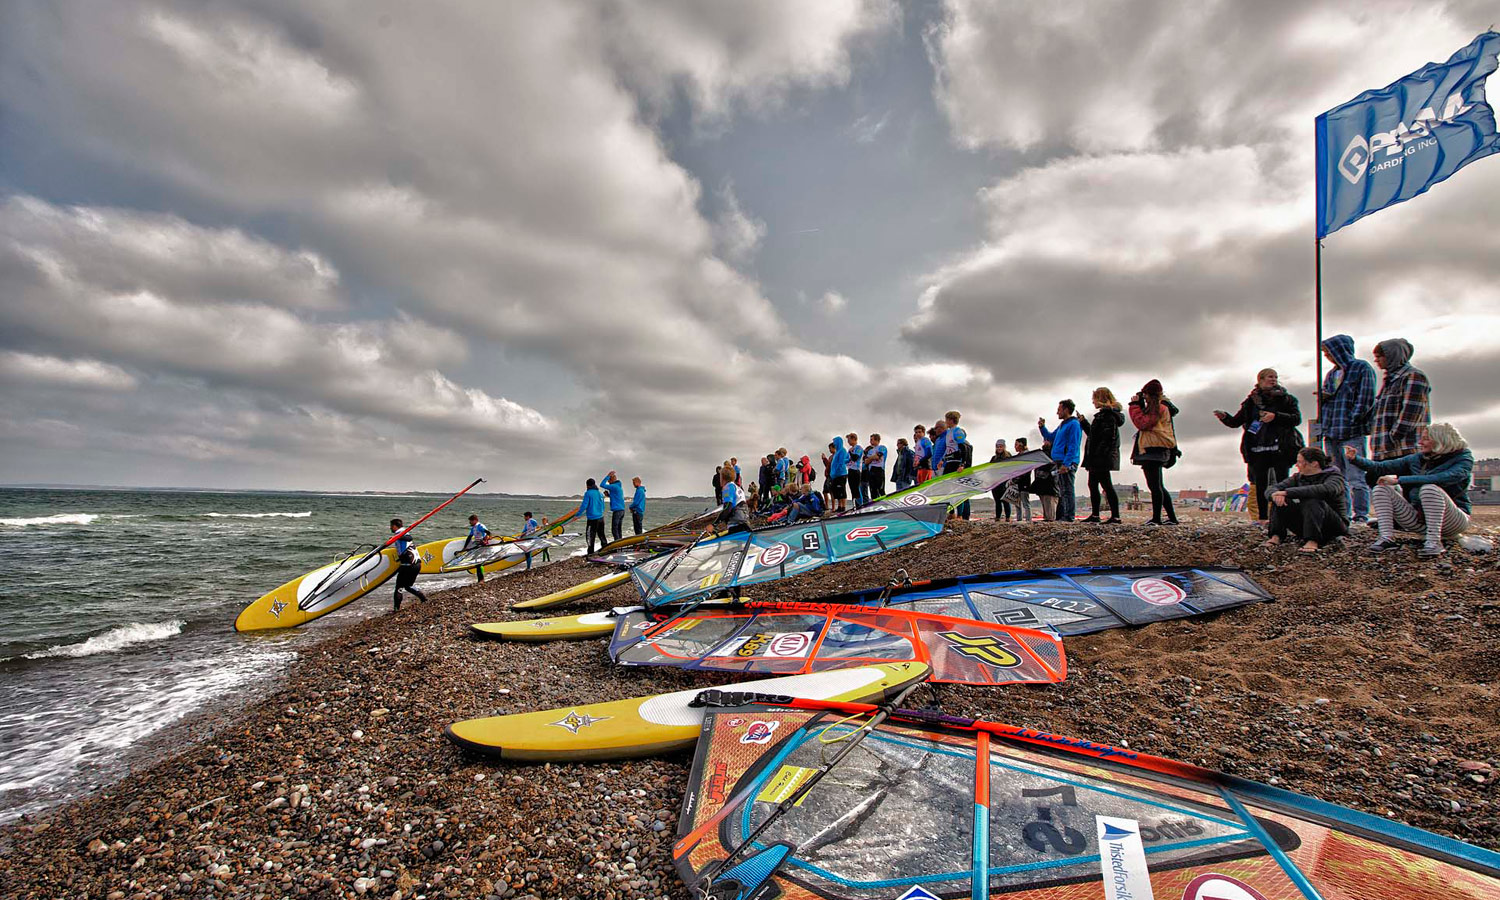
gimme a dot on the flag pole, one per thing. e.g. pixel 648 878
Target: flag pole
pixel 1314 430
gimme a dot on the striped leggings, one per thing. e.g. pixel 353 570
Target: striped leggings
pixel 1437 516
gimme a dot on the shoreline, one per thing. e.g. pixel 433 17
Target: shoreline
pixel 1372 683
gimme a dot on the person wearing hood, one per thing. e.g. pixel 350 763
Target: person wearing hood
pixel 838 474
pixel 1402 407
pixel 1101 453
pixel 805 472
pixel 1426 491
pixel 1155 446
pixel 1346 401
pixel 1312 504
pixel 592 510
pixel 1269 416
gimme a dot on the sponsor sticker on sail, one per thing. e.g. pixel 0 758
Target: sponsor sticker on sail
pixel 1122 859
pixel 1158 591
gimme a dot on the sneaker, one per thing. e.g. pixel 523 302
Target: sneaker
pixel 1113 520
pixel 1153 522
pixel 1428 551
pixel 1382 545
pixel 1092 520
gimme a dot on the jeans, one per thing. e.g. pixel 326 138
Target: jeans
pixel 1023 509
pixel 904 483
pixel 1354 476
pixel 875 482
pixel 1066 501
pixel 636 516
pixel 595 530
pixel 857 491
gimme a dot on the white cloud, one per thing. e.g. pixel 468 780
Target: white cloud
pixel 867 128
pixel 32 369
pixel 833 302
pixel 737 234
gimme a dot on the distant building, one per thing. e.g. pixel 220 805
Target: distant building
pixel 1487 475
pixel 1194 494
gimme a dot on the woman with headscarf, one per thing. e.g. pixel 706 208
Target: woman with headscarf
pixel 1269 416
pixel 1402 406
pixel 1155 446
pixel 1425 492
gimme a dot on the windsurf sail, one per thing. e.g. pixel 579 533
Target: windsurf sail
pixel 741 558
pixel 1074 600
pixel 635 554
pixel 488 554
pixel 685 527
pixel 795 638
pixel 930 806
pixel 956 487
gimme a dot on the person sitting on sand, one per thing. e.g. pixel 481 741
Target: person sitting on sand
pixel 1312 504
pixel 806 504
pixel 1425 492
pixel 478 534
pixel 410 562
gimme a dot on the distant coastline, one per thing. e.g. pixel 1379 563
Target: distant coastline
pixel 135 489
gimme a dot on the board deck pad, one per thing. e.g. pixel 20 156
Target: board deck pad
pixel 646 726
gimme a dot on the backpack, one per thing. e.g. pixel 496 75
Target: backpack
pixel 967 449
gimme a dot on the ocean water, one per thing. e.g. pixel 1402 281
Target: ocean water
pixel 117 611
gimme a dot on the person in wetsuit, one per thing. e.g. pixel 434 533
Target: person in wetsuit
pixel 411 565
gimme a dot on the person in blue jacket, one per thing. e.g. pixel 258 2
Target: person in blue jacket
pixel 735 513
pixel 874 469
pixel 616 491
pixel 838 474
pixel 478 534
pixel 1427 491
pixel 1067 452
pixel 856 471
pixel 637 504
pixel 592 510
pixel 530 528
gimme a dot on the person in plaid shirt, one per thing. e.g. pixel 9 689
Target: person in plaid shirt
pixel 1348 397
pixel 1402 407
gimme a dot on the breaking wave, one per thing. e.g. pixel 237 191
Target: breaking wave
pixel 59 519
pixel 269 515
pixel 116 638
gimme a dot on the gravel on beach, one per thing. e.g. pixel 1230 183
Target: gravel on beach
pixel 1373 682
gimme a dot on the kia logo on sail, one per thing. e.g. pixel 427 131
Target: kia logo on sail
pixel 1158 592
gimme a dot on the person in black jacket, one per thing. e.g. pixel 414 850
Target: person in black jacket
pixel 1044 486
pixel 1022 505
pixel 1269 416
pixel 1002 509
pixel 1101 454
pixel 1312 504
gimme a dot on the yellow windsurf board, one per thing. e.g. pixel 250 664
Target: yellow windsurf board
pixel 318 593
pixel 577 591
pixel 557 628
pixel 646 726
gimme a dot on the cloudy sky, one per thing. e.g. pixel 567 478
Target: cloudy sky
pixel 360 245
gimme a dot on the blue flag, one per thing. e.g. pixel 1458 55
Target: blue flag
pixel 1390 145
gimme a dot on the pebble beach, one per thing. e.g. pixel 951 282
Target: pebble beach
pixel 1369 682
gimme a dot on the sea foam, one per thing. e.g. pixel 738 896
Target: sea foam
pixel 268 515
pixel 59 519
pixel 116 638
